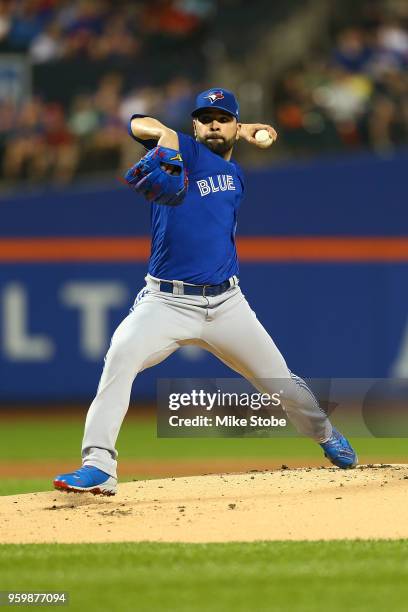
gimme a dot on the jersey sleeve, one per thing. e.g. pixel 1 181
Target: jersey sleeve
pixel 187 145
pixel 189 150
pixel 148 144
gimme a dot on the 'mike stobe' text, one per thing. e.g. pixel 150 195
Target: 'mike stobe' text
pixel 226 421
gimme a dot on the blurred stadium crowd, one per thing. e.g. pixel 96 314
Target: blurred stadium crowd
pixel 50 30
pixel 355 95
pixel 95 62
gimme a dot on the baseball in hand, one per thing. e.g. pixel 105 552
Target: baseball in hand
pixel 263 139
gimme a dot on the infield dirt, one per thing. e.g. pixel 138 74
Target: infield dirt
pixel 286 504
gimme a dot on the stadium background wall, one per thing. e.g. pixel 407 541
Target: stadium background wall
pixel 326 273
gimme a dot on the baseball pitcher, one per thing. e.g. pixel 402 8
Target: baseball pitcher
pixel 192 293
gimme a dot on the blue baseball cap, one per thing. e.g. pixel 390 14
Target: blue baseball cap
pixel 217 98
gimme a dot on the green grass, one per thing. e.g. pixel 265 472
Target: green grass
pixel 267 576
pixel 61 439
pixel 17 486
pixel 54 440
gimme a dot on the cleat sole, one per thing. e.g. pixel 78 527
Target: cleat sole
pixel 59 485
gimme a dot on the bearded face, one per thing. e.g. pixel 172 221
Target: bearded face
pixel 217 130
pixel 219 145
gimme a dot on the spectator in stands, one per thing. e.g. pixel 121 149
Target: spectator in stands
pixel 115 41
pixel 394 39
pixel 178 100
pixel 61 153
pixel 83 121
pixel 40 146
pixel 104 146
pixel 142 100
pixel 170 18
pixel 48 46
pixel 29 18
pixel 8 114
pixel 89 17
pixel 5 21
pixel 25 144
pixel 352 51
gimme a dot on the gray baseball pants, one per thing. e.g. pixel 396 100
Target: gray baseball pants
pixel 158 324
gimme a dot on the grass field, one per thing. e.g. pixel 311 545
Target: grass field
pixel 60 439
pixel 275 576
pixel 33 439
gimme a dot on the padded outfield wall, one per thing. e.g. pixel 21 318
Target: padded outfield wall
pixel 324 263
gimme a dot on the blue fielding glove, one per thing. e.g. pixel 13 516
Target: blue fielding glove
pixel 160 177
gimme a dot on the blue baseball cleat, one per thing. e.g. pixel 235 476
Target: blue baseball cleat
pixel 339 451
pixel 87 478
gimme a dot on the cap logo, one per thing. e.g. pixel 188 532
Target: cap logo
pixel 215 95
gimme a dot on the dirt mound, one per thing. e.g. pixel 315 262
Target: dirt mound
pixel 287 504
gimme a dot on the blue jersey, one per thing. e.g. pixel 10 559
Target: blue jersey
pixel 195 241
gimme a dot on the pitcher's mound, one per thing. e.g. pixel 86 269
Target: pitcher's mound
pixel 287 504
